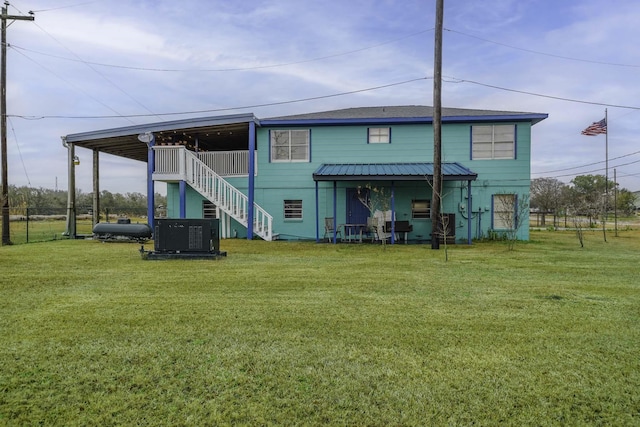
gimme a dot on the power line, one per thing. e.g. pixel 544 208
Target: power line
pixel 559 98
pixel 588 164
pixel 95 70
pixel 591 61
pixel 118 114
pixel 24 166
pixel 63 7
pixel 209 70
pixel 216 110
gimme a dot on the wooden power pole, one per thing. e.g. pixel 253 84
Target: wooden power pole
pixel 6 237
pixel 436 222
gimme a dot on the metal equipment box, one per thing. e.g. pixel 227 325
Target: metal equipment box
pixel 186 235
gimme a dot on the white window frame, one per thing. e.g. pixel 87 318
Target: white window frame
pixel 380 135
pixel 209 210
pixel 502 208
pixel 420 212
pixel 493 142
pixel 290 145
pixel 292 209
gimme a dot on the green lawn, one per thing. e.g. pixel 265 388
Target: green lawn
pixel 288 333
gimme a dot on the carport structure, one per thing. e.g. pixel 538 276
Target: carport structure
pixel 220 133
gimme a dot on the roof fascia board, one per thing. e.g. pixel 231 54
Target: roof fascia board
pixel 534 118
pixel 391 177
pixel 161 126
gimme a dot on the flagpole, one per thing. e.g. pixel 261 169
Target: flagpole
pixel 606 171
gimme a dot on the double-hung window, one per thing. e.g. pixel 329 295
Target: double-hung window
pixel 493 142
pixel 504 211
pixel 290 145
pixel 379 136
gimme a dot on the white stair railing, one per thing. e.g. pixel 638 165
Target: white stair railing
pixel 228 198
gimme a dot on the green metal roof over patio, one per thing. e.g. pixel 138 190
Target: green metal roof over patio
pixel 391 172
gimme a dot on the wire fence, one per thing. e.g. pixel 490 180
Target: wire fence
pixel 31 225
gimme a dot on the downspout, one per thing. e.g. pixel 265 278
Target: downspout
pixel 251 183
pixel 95 217
pixel 317 215
pixel 149 139
pixel 71 190
pixel 335 212
pixel 469 212
pixel 393 214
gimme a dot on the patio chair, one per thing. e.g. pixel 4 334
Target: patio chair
pixel 329 229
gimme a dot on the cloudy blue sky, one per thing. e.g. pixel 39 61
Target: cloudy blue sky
pixel 88 65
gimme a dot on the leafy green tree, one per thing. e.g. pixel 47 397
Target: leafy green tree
pixel 589 193
pixel 547 195
pixel 626 202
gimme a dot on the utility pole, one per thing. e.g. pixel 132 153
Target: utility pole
pixel 436 222
pixel 6 237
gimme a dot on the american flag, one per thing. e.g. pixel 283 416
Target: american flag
pixel 596 128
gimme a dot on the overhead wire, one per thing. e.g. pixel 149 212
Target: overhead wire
pixel 559 98
pixel 588 164
pixel 118 114
pixel 257 67
pixel 216 110
pixel 96 71
pixel 15 137
pixel 569 58
pixel 63 7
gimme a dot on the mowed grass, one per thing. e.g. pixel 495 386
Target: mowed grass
pixel 286 333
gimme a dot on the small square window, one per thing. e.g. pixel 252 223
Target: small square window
pixel 420 209
pixel 379 136
pixel 208 210
pixel 293 209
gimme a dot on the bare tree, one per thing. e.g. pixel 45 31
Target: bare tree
pixel 376 199
pixel 509 212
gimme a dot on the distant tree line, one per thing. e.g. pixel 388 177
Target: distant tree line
pixel 586 195
pixel 44 201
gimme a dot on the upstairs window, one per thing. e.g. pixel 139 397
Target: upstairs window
pixel 493 142
pixel 379 136
pixel 290 145
pixel 293 209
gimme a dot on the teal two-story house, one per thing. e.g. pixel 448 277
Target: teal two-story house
pixel 325 176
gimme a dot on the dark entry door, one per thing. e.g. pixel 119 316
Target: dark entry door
pixel 357 212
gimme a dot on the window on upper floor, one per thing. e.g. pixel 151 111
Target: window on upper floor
pixel 420 209
pixel 293 209
pixel 493 142
pixel 290 145
pixel 379 136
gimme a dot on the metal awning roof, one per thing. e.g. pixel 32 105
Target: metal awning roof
pixel 391 172
pixel 229 132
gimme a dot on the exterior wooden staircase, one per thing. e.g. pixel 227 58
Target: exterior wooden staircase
pixel 178 162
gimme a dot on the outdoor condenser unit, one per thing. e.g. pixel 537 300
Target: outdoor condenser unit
pixel 186 236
